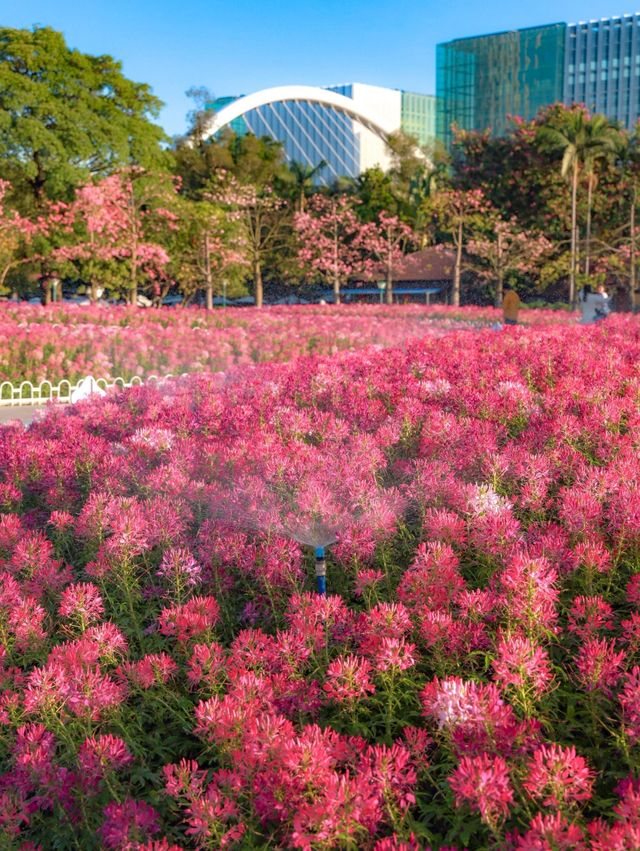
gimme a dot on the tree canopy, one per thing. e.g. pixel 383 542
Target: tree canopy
pixel 66 116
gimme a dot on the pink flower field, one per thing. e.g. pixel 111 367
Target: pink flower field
pixel 170 679
pixel 70 342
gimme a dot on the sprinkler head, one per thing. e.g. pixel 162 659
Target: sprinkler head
pixel 321 571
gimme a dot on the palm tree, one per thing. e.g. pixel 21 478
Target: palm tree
pixel 579 138
pixel 603 140
pixel 628 157
pixel 425 183
pixel 303 175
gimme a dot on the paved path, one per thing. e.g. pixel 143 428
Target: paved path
pixel 25 413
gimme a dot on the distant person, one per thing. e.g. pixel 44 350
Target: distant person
pixel 587 305
pixel 603 309
pixel 594 306
pixel 510 305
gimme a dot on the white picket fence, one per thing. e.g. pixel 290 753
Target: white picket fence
pixel 26 393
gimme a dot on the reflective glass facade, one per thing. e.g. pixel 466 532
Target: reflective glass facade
pixel 312 132
pixel 239 125
pixel 418 117
pixel 309 133
pixel 481 81
pixel 603 67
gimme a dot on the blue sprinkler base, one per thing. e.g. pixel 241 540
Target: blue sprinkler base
pixel 321 571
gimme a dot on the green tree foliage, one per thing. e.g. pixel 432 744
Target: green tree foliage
pixel 66 116
pixel 301 180
pixel 580 141
pixel 564 176
pixel 375 190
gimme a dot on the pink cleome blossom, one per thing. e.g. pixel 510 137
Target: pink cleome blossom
pixel 81 602
pixel 127 823
pixel 348 679
pixel 103 754
pixel 551 832
pixel 193 619
pixel 522 664
pixel 558 776
pixel 483 783
pixel 178 566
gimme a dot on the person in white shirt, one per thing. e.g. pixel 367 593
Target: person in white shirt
pixel 594 306
pixel 604 309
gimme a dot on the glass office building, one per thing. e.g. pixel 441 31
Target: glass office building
pixel 313 132
pixel 481 81
pixel 603 67
pixel 418 117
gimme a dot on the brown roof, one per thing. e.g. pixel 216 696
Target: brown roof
pixel 430 264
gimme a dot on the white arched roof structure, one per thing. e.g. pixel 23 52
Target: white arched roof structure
pixel 305 94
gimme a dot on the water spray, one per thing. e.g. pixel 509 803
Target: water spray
pixel 321 571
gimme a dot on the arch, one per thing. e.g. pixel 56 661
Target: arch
pixel 310 94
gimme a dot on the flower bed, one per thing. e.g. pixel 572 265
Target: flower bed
pixel 472 680
pixel 70 342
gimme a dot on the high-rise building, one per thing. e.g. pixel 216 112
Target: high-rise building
pixel 346 132
pixel 602 67
pixel 481 81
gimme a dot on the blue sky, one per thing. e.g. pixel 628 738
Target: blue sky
pixel 238 46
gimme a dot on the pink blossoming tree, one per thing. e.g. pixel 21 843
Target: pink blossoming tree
pixel 15 233
pixel 505 252
pixel 120 224
pixel 263 221
pixel 384 244
pixel 456 212
pixel 328 233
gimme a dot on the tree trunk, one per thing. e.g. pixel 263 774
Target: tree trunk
pixel 500 275
pixel 47 292
pixel 134 249
pixel 574 227
pixel 632 252
pixel 587 242
pixel 336 279
pixel 499 289
pixel 257 282
pixel 457 270
pixel 93 287
pixel 207 272
pixel 39 181
pixel 389 279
